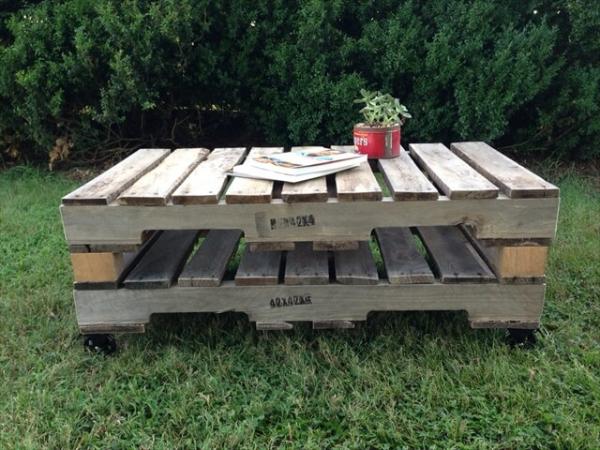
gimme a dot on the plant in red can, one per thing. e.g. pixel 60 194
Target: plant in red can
pixel 379 135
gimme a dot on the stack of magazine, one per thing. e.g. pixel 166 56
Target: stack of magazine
pixel 294 167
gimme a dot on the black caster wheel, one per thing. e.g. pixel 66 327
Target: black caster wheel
pixel 518 337
pixel 100 343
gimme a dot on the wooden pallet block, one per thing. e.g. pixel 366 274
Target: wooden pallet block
pixel 405 180
pixel 314 190
pixel 156 186
pixel 248 190
pixel 402 261
pixel 206 183
pixel 208 265
pixel 454 257
pixel 452 175
pixel 103 189
pixel 513 179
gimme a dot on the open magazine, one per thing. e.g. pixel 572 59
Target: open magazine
pixel 294 167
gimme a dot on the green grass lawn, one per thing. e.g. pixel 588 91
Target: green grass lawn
pixel 414 380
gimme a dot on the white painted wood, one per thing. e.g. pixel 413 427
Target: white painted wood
pixel 307 191
pixel 452 175
pixel 106 187
pixel 208 180
pixel 500 218
pixel 249 190
pixel 497 304
pixel 513 179
pixel 405 179
pixel 155 187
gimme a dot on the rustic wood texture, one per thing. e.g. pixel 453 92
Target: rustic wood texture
pixel 314 190
pixel 103 189
pixel 258 268
pixel 501 218
pixel 305 266
pixel 402 261
pixel 332 324
pixel 405 179
pixel 356 266
pixel 270 246
pixel 485 303
pixel 358 183
pixel 454 257
pixel 155 187
pixel 513 179
pixel 248 190
pixel 452 175
pixel 335 245
pixel 205 184
pixel 97 267
pixel 274 326
pixel 162 262
pixel 208 265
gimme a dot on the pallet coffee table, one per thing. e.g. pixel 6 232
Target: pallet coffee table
pixel 459 228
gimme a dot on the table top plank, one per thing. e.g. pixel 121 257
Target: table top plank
pixel 207 181
pixel 513 179
pixel 356 266
pixel 156 186
pixel 454 257
pixel 358 183
pixel 306 266
pixel 314 190
pixel 107 186
pixel 402 261
pixel 453 176
pixel 405 179
pixel 248 190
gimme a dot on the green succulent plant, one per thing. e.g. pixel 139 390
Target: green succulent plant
pixel 382 110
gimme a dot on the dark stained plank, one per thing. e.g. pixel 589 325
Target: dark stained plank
pixel 208 180
pixel 107 186
pixel 155 188
pixel 207 266
pixel 454 257
pixel 405 179
pixel 452 175
pixel 258 268
pixel 513 179
pixel 402 261
pixel 306 266
pixel 161 263
pixel 355 266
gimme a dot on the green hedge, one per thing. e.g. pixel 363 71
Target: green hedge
pixel 103 75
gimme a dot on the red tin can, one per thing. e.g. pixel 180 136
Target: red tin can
pixel 377 142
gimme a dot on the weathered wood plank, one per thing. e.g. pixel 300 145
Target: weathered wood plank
pixel 332 324
pixel 452 175
pixel 207 181
pixel 207 266
pixel 334 245
pixel 513 179
pixel 485 303
pixel 356 266
pixel 314 190
pixel 271 246
pixel 161 263
pixel 358 183
pixel 454 257
pixel 402 261
pixel 306 266
pixel 103 189
pixel 274 326
pixel 97 267
pixel 155 188
pixel 258 268
pixel 248 190
pixel 405 180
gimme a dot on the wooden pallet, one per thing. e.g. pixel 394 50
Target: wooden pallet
pixel 464 228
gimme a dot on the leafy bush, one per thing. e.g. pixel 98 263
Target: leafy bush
pixel 84 79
